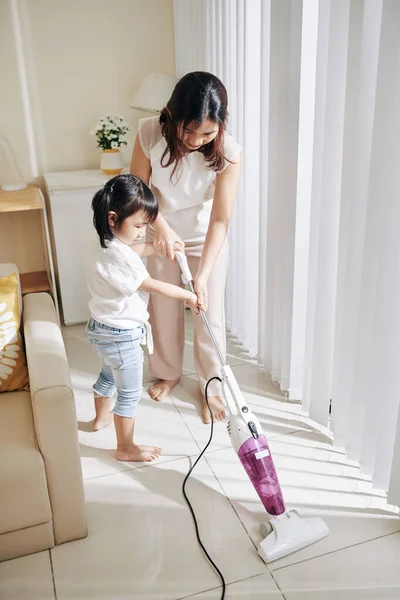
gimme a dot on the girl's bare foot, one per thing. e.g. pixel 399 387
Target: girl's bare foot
pixel 104 421
pixel 138 453
pixel 161 389
pixel 103 417
pixel 217 409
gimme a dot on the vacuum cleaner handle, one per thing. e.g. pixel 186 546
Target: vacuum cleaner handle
pixel 183 263
pixel 187 279
pixel 231 389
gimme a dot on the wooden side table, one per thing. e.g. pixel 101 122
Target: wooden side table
pixel 20 243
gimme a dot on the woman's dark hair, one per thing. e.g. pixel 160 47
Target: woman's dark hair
pixel 196 97
pixel 125 195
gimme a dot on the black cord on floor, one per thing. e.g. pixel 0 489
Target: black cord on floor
pixel 187 499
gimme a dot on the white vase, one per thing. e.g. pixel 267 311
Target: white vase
pixel 111 162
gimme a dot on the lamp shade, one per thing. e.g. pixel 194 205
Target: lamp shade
pixel 154 92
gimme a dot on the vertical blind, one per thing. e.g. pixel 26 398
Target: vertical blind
pixel 314 276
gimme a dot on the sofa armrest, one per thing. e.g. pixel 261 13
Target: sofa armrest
pixel 54 415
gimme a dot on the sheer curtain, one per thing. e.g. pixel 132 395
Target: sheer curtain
pixel 314 276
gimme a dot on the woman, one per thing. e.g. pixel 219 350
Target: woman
pixel 194 167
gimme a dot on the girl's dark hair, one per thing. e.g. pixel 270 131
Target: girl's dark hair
pixel 125 195
pixel 196 97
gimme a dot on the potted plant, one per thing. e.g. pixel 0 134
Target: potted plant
pixel 110 133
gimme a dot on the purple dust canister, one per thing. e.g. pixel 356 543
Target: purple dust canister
pixel 256 458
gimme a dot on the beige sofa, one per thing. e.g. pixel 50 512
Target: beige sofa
pixel 41 490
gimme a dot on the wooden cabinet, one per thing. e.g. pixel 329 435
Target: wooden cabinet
pixel 25 240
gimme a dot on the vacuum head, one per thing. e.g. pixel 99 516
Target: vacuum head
pixel 288 533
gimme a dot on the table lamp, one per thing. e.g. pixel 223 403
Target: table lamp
pixel 154 93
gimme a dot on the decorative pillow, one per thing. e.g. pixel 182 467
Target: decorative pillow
pixel 13 369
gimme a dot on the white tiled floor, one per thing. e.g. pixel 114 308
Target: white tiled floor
pixel 141 542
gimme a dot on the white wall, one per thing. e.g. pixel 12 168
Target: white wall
pixel 80 59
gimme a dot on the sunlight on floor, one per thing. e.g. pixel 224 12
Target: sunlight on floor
pixel 141 541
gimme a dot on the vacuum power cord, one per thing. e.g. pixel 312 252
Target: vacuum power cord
pixel 187 499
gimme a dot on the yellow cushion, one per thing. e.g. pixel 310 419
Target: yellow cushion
pixel 13 369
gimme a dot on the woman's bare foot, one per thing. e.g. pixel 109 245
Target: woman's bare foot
pixel 161 389
pixel 103 417
pixel 138 453
pixel 217 409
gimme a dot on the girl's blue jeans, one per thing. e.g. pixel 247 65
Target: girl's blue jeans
pixel 122 368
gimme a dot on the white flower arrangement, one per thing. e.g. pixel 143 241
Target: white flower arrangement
pixel 110 132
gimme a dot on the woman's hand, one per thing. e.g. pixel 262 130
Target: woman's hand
pixel 201 289
pixel 166 241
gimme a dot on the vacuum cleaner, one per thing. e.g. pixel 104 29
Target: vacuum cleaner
pixel 284 531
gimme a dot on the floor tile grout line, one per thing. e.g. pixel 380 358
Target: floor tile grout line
pixel 379 537
pixel 52 575
pixel 220 586
pixel 277 585
pixel 144 466
pixel 184 420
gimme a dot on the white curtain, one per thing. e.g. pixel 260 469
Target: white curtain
pixel 314 276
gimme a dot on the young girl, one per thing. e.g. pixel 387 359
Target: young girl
pixel 119 286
